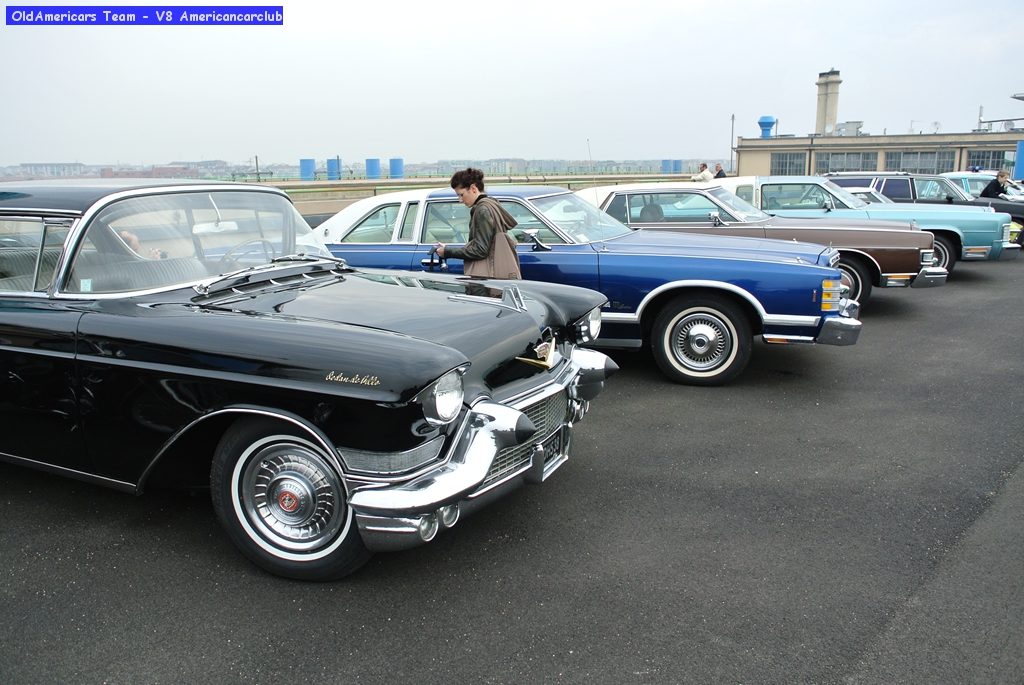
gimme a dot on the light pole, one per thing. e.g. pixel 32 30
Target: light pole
pixel 732 140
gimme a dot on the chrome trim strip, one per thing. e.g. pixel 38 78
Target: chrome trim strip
pixel 779 339
pixel 791 320
pixel 293 419
pixel 720 285
pixel 72 473
pixel 38 352
pixel 844 250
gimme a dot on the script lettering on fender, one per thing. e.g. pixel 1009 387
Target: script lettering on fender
pixel 356 379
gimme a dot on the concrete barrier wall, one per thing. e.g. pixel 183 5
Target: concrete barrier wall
pixel 329 197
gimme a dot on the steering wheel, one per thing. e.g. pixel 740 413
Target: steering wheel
pixel 236 250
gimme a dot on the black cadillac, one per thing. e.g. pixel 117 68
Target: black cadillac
pixel 199 333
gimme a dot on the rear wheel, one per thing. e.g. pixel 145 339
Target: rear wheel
pixel 856 278
pixel 283 503
pixel 945 252
pixel 701 340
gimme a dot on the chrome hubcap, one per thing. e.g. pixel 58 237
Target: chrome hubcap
pixel 850 282
pixel 292 497
pixel 701 341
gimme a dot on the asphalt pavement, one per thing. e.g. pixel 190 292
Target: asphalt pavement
pixel 843 515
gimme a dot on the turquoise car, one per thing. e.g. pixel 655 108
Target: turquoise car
pixel 969 233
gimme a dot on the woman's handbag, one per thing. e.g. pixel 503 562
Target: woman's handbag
pixel 502 262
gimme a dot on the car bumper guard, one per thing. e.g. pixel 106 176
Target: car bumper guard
pixel 402 515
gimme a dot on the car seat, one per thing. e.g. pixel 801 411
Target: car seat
pixel 651 213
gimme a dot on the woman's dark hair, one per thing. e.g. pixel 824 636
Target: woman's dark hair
pixel 468 177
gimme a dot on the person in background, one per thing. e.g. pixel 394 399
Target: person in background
pixel 997 187
pixel 702 175
pixel 719 171
pixel 490 250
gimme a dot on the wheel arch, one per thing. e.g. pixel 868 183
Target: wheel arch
pixel 865 259
pixel 948 232
pixel 186 457
pixel 659 298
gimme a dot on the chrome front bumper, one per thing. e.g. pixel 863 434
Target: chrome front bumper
pixel 498 449
pixel 930 277
pixel 843 328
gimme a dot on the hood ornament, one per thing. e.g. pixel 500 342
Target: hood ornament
pixel 545 351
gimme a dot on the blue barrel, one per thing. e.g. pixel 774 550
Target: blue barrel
pixel 307 169
pixel 373 168
pixel 677 166
pixel 334 169
pixel 396 167
pixel 1018 166
pixel 666 166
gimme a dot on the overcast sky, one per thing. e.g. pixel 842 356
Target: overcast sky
pixel 427 80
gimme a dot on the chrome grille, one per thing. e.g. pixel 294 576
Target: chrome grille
pixel 547 415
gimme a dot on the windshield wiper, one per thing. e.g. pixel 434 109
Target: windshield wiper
pixel 233 278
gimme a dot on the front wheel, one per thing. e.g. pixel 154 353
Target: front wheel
pixel 701 340
pixel 945 253
pixel 856 279
pixel 283 503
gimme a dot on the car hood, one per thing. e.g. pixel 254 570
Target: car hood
pixel 396 325
pixel 647 241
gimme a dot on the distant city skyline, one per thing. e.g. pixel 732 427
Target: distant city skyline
pixel 413 79
pixel 355 169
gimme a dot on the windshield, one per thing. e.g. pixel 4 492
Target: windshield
pixel 582 221
pixel 740 208
pixel 851 200
pixel 169 239
pixel 872 195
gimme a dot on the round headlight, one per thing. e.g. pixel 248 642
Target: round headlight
pixel 594 319
pixel 442 401
pixel 589 327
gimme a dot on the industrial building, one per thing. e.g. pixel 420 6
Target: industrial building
pixel 841 146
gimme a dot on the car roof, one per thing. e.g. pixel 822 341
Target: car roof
pixel 873 173
pixel 655 185
pixel 77 195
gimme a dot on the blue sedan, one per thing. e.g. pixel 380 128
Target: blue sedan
pixel 696 300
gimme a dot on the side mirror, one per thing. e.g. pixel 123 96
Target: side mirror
pixel 827 204
pixel 715 218
pixel 538 246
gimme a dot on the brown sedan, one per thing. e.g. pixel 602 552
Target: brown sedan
pixel 873 253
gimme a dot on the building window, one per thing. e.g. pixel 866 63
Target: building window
pixel 789 164
pixel 827 162
pixel 991 159
pixel 928 162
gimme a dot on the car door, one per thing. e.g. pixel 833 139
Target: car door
pixel 556 259
pixel 383 239
pixel 690 211
pixel 39 413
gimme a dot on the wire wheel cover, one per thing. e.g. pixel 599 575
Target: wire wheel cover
pixel 702 341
